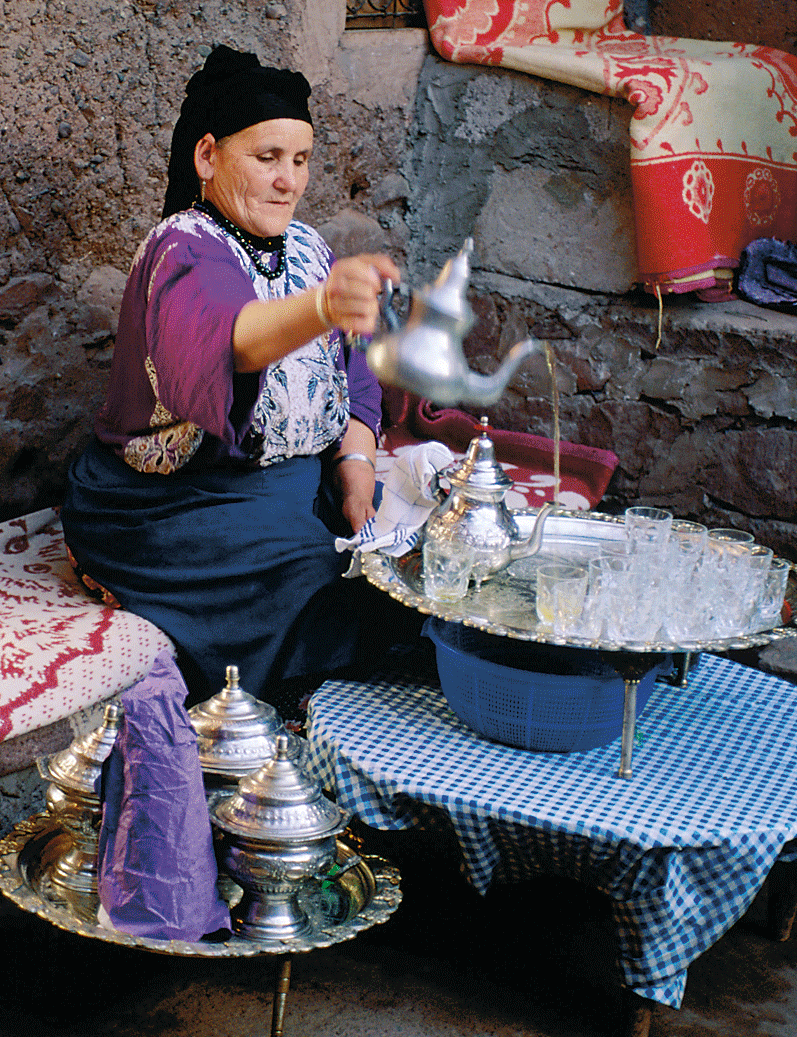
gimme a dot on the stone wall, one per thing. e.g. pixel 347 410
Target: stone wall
pixel 412 156
pixel 89 93
pixel 704 424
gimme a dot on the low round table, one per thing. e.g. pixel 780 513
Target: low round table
pixel 681 851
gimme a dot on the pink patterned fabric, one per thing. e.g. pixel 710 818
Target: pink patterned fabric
pixel 60 651
pixel 713 134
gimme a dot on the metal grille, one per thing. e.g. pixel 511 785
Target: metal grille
pixel 385 14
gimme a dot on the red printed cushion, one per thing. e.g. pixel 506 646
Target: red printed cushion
pixel 60 650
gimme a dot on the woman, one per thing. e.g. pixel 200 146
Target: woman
pixel 234 415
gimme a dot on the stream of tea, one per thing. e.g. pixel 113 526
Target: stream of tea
pixel 550 359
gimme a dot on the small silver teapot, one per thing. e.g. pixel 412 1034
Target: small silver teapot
pixel 426 357
pixel 237 734
pixel 475 512
pixel 74 802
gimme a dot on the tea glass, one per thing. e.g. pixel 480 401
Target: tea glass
pixel 647 529
pixel 593 615
pixel 760 560
pixel 447 566
pixel 725 581
pixel 732 536
pixel 773 594
pixel 561 589
pixel 632 602
pixel 687 543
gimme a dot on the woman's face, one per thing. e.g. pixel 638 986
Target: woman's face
pixel 256 177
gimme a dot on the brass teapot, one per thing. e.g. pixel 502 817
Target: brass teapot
pixel 426 357
pixel 474 510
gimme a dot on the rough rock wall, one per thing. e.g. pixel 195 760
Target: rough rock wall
pixel 412 156
pixel 89 93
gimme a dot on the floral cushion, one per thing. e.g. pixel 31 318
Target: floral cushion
pixel 61 651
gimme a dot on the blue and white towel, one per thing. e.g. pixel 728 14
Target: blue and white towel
pixel 408 498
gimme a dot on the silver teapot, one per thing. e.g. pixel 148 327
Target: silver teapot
pixel 426 357
pixel 474 510
pixel 237 734
pixel 74 802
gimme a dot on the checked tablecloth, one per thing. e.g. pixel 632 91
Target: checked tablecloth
pixel 681 849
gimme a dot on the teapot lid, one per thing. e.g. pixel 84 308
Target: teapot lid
pixel 78 767
pixel 280 803
pixel 235 731
pixel 480 472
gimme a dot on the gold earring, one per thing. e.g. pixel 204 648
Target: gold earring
pixel 202 192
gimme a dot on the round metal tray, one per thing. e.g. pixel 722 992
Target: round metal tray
pixel 505 604
pixel 367 894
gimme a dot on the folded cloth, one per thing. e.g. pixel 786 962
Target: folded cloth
pixel 768 274
pixel 157 868
pixel 408 499
pixel 713 162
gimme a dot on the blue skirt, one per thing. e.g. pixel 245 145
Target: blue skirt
pixel 234 565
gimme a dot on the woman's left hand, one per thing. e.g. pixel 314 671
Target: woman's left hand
pixel 355 482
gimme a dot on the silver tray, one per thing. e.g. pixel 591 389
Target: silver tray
pixel 505 604
pixel 367 894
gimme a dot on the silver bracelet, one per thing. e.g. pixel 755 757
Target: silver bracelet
pixel 322 306
pixel 353 457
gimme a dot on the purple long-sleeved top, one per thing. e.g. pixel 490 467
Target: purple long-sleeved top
pixel 172 383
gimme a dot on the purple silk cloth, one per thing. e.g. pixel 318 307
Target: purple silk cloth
pixel 157 868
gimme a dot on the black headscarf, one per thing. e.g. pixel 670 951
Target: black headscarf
pixel 231 92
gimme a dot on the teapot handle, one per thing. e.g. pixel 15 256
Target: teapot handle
pixel 388 313
pixel 389 294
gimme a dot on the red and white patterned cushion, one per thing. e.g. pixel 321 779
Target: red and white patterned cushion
pixel 60 650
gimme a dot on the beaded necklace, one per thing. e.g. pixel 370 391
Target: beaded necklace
pixel 252 245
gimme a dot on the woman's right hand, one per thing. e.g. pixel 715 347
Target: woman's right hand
pixel 351 292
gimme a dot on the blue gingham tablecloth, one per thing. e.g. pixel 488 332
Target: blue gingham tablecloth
pixel 681 848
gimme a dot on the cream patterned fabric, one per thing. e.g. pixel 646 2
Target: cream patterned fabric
pixel 60 650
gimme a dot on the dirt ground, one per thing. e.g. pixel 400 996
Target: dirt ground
pixel 530 961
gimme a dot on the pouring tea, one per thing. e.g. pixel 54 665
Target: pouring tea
pixel 425 355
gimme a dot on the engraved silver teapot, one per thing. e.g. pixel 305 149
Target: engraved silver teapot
pixel 474 510
pixel 277 833
pixel 237 734
pixel 426 357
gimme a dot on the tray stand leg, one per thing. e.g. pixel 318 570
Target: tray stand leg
pixel 629 727
pixel 637 1015
pixel 281 986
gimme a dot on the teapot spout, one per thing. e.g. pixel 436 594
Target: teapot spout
pixel 531 544
pixel 485 390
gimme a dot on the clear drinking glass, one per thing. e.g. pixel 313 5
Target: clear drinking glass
pixel 633 611
pixel 773 594
pixel 593 615
pixel 733 536
pixel 647 529
pixel 725 586
pixel 687 542
pixel 561 589
pixel 760 560
pixel 447 566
